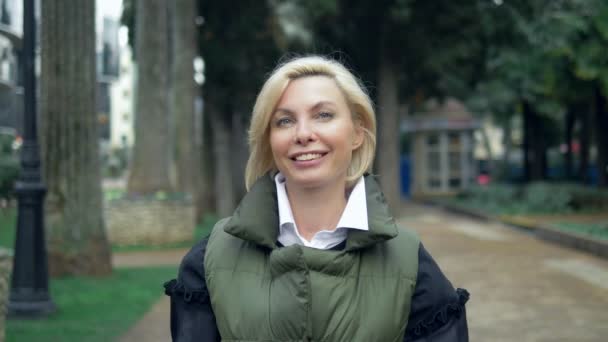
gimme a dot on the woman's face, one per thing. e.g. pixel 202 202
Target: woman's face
pixel 312 134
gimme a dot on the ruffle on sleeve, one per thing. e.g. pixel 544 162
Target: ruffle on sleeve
pixel 452 310
pixel 177 290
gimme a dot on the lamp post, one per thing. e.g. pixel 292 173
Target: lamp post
pixel 29 296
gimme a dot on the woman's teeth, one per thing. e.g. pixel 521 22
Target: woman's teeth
pixel 308 156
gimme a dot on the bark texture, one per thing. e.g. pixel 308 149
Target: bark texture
pixel 183 93
pixel 535 150
pixel 569 121
pixel 151 161
pixel 205 194
pixel 388 133
pixel 77 242
pixel 601 127
pixel 221 124
pixel 585 138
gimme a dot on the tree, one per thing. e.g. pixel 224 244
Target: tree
pixel 77 242
pixel 152 150
pixel 183 94
pixel 587 52
pixel 392 45
pixel 239 51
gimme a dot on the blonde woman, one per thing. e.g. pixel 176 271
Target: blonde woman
pixel 312 252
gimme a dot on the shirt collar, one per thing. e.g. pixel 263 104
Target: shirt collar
pixel 354 216
pixel 256 218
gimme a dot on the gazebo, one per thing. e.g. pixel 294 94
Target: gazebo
pixel 441 148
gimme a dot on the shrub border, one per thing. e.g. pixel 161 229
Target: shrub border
pixel 568 239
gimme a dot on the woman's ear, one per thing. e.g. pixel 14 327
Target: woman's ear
pixel 359 135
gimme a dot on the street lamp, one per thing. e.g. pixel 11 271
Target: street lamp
pixel 29 296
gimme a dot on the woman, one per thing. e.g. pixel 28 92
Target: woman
pixel 312 253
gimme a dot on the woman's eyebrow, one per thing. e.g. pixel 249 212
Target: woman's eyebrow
pixel 321 104
pixel 283 111
pixel 315 107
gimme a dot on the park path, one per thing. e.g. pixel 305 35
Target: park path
pixel 522 288
pixel 154 325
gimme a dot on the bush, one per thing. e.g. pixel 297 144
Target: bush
pixel 548 198
pixel 9 166
pixel 534 198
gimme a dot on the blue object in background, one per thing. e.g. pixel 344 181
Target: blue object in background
pixel 405 167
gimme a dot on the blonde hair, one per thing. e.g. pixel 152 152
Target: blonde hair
pixel 260 157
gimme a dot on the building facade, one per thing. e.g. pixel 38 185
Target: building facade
pixel 11 92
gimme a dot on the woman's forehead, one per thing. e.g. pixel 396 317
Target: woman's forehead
pixel 311 91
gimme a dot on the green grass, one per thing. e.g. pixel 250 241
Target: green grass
pixel 8 218
pixel 94 309
pixel 593 230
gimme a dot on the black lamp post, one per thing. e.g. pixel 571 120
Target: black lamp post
pixel 29 296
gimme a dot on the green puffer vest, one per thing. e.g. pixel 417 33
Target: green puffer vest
pixel 260 292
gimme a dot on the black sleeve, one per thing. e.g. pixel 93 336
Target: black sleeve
pixel 192 317
pixel 437 312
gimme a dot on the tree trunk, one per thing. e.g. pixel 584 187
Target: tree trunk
pixel 526 142
pixel 388 132
pixel 151 153
pixel 535 164
pixel 569 128
pixel 507 141
pixel 488 147
pixel 183 93
pixel 77 243
pixel 222 151
pixel 205 194
pixel 601 138
pixel 585 139
pixel 239 155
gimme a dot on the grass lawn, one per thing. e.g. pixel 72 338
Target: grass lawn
pixel 94 309
pixel 8 220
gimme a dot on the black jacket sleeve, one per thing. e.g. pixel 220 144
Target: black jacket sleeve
pixel 192 317
pixel 437 312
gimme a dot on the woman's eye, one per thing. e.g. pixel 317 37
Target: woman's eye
pixel 282 122
pixel 325 115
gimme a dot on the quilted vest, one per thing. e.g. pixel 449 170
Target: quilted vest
pixel 262 292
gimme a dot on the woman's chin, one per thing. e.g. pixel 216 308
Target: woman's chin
pixel 312 181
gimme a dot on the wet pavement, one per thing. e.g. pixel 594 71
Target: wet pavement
pixel 522 288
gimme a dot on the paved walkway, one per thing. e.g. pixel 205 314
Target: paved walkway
pixel 522 288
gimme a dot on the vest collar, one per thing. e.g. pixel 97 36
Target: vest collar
pixel 256 219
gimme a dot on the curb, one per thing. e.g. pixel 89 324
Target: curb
pixel 576 241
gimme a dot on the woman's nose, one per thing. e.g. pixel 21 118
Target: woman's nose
pixel 304 133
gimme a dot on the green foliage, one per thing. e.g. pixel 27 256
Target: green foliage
pixel 593 230
pixel 239 51
pixel 548 198
pixel 127 18
pixel 433 45
pixel 9 166
pixel 534 198
pixel 94 309
pixel 8 223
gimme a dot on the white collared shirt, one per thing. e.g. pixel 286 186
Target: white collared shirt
pixel 354 216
